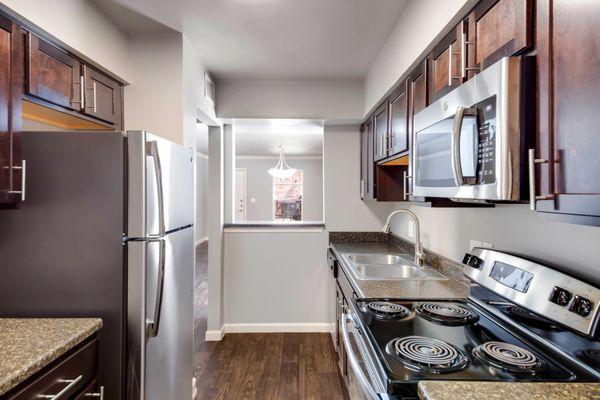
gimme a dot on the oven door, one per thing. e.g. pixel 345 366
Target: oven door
pixel 363 383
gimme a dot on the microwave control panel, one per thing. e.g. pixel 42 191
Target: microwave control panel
pixel 486 147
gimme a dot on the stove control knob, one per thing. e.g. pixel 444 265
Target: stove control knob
pixel 560 296
pixel 581 306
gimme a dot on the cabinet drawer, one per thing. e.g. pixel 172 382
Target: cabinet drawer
pixel 92 391
pixel 75 372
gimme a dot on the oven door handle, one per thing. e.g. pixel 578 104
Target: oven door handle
pixel 459 179
pixel 363 381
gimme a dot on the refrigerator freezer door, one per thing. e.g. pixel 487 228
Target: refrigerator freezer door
pixel 160 348
pixel 161 185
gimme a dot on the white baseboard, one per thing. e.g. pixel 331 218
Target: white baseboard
pixel 201 240
pixel 215 336
pixel 277 328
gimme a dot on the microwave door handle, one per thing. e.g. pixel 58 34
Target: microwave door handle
pixel 455 146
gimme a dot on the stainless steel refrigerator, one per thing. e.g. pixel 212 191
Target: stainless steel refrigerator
pixel 106 231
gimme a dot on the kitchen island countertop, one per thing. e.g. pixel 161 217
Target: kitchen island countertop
pixel 29 344
pixel 445 390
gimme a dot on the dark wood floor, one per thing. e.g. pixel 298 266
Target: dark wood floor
pixel 262 366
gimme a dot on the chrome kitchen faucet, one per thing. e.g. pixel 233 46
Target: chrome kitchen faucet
pixel 419 255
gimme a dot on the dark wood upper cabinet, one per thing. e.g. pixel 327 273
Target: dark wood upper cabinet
pixel 398 109
pixel 445 65
pixel 381 131
pixel 568 119
pixel 367 163
pixel 102 96
pixel 417 101
pixel 52 74
pixel 501 28
pixel 11 91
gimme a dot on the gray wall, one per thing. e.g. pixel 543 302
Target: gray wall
pixel 259 185
pixel 512 228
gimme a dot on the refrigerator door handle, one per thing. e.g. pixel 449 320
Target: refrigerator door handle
pixel 152 151
pixel 152 325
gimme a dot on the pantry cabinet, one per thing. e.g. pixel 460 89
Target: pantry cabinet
pixel 566 162
pixel 11 90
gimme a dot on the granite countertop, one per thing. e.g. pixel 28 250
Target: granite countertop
pixel 451 288
pixel 29 344
pixel 445 390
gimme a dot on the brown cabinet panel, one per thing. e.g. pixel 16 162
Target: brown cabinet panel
pixel 418 100
pixel 502 28
pixel 381 131
pixel 53 75
pixel 398 109
pixel 102 96
pixel 367 163
pixel 568 65
pixel 11 90
pixel 445 65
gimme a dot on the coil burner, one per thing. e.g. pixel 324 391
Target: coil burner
pixel 447 314
pixel 387 310
pixel 419 353
pixel 508 357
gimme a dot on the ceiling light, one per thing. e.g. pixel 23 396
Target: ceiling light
pixel 282 170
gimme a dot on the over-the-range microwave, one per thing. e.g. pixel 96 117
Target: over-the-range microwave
pixel 471 145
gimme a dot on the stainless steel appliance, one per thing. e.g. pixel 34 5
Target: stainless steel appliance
pixel 472 143
pixel 523 321
pixel 107 231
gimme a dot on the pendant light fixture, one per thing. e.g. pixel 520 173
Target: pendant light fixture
pixel 282 170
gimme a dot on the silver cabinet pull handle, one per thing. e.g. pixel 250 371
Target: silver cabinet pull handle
pixel 82 90
pixel 152 151
pixel 463 47
pixel 99 395
pixel 362 188
pixel 57 396
pixel 532 196
pixel 405 180
pixel 152 325
pixel 23 169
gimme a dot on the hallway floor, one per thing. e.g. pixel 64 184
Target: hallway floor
pixel 260 365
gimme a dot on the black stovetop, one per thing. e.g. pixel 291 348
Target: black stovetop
pixel 465 338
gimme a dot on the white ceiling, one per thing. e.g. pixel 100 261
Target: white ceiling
pixel 273 39
pixel 262 137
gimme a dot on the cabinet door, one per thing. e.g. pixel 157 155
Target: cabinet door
pixel 569 83
pixel 502 28
pixel 102 96
pixel 398 109
pixel 53 75
pixel 367 190
pixel 445 68
pixel 11 91
pixel 418 100
pixel 381 131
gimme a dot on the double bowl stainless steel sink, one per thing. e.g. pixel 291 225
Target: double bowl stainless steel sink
pixel 372 267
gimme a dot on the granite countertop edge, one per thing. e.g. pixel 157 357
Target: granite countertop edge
pixel 23 372
pixel 466 390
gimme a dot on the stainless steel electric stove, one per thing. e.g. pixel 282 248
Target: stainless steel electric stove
pixel 524 321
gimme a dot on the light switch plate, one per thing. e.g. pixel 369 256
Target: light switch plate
pixel 488 245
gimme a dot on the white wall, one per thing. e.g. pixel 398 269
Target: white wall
pixel 311 100
pixel 344 210
pixel 259 186
pixel 81 25
pixel 508 227
pixel 279 280
pixel 154 101
pixel 202 192
pixel 417 27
